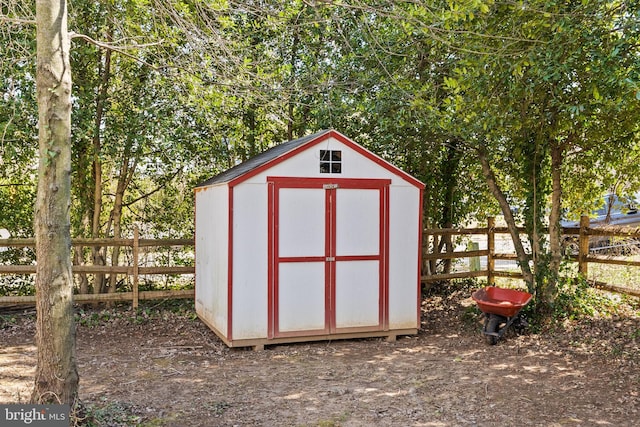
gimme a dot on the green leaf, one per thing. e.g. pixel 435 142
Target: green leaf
pixel 596 94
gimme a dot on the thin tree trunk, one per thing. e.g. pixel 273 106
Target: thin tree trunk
pixel 490 178
pixel 548 292
pixel 97 252
pixel 449 173
pixel 56 379
pixel 291 120
pixel 82 277
pixel 433 264
pixel 82 184
pixel 249 119
pixel 126 174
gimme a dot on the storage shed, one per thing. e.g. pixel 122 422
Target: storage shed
pixel 313 239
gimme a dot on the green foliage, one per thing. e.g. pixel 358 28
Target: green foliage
pixel 576 299
pixel 17 285
pixel 558 81
pixel 180 307
pixel 17 256
pixel 7 320
pixel 212 83
pixel 92 319
pixel 470 316
pixel 148 311
pixel 107 414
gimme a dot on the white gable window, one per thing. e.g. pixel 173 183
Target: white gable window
pixel 330 161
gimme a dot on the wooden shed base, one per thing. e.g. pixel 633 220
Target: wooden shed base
pixel 260 343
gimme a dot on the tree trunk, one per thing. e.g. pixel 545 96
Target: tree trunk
pixel 83 188
pixel 97 252
pixel 126 175
pixel 56 379
pixel 523 259
pixel 83 280
pixel 249 120
pixel 449 173
pixel 291 119
pixel 549 290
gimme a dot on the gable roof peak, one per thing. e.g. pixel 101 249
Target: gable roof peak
pixel 262 158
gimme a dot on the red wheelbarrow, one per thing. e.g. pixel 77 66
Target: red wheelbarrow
pixel 501 308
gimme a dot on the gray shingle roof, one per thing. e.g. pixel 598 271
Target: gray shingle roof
pixel 260 159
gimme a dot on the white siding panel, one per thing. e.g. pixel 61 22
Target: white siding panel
pixel 301 222
pixel 403 256
pixel 250 256
pixel 212 232
pixel 307 164
pixel 301 296
pixel 357 293
pixel 357 222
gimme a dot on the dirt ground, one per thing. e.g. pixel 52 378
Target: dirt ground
pixel 168 369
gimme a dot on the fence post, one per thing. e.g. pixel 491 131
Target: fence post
pixel 136 236
pixel 474 262
pixel 583 246
pixel 491 247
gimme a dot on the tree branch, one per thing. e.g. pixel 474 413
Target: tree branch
pixel 119 49
pixel 5 18
pixel 155 190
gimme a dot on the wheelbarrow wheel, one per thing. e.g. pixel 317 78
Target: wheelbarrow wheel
pixel 491 330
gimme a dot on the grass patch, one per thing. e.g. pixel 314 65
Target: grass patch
pixel 620 275
pixel 107 414
pixel 577 299
pixel 146 312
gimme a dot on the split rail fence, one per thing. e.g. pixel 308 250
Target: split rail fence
pixel 581 244
pixel 581 235
pixel 134 270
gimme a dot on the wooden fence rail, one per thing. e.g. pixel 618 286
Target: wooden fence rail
pixel 583 256
pixel 134 271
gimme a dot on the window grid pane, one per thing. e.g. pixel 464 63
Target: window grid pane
pixel 330 161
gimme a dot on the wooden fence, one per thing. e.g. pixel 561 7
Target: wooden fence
pixel 135 270
pixel 580 238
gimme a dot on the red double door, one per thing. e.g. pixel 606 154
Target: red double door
pixel 327 256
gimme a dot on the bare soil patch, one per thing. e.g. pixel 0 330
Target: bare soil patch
pixel 166 369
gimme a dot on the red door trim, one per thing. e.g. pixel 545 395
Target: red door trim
pixel 272 237
pixel 230 268
pixel 329 267
pixel 385 276
pixel 274 186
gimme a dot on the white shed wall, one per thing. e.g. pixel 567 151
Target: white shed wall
pixel 250 256
pixel 212 247
pixel 404 200
pixel 307 164
pixel 249 274
pixel 404 226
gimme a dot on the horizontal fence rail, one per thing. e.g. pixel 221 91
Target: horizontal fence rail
pixel 134 271
pixel 581 235
pixel 578 238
